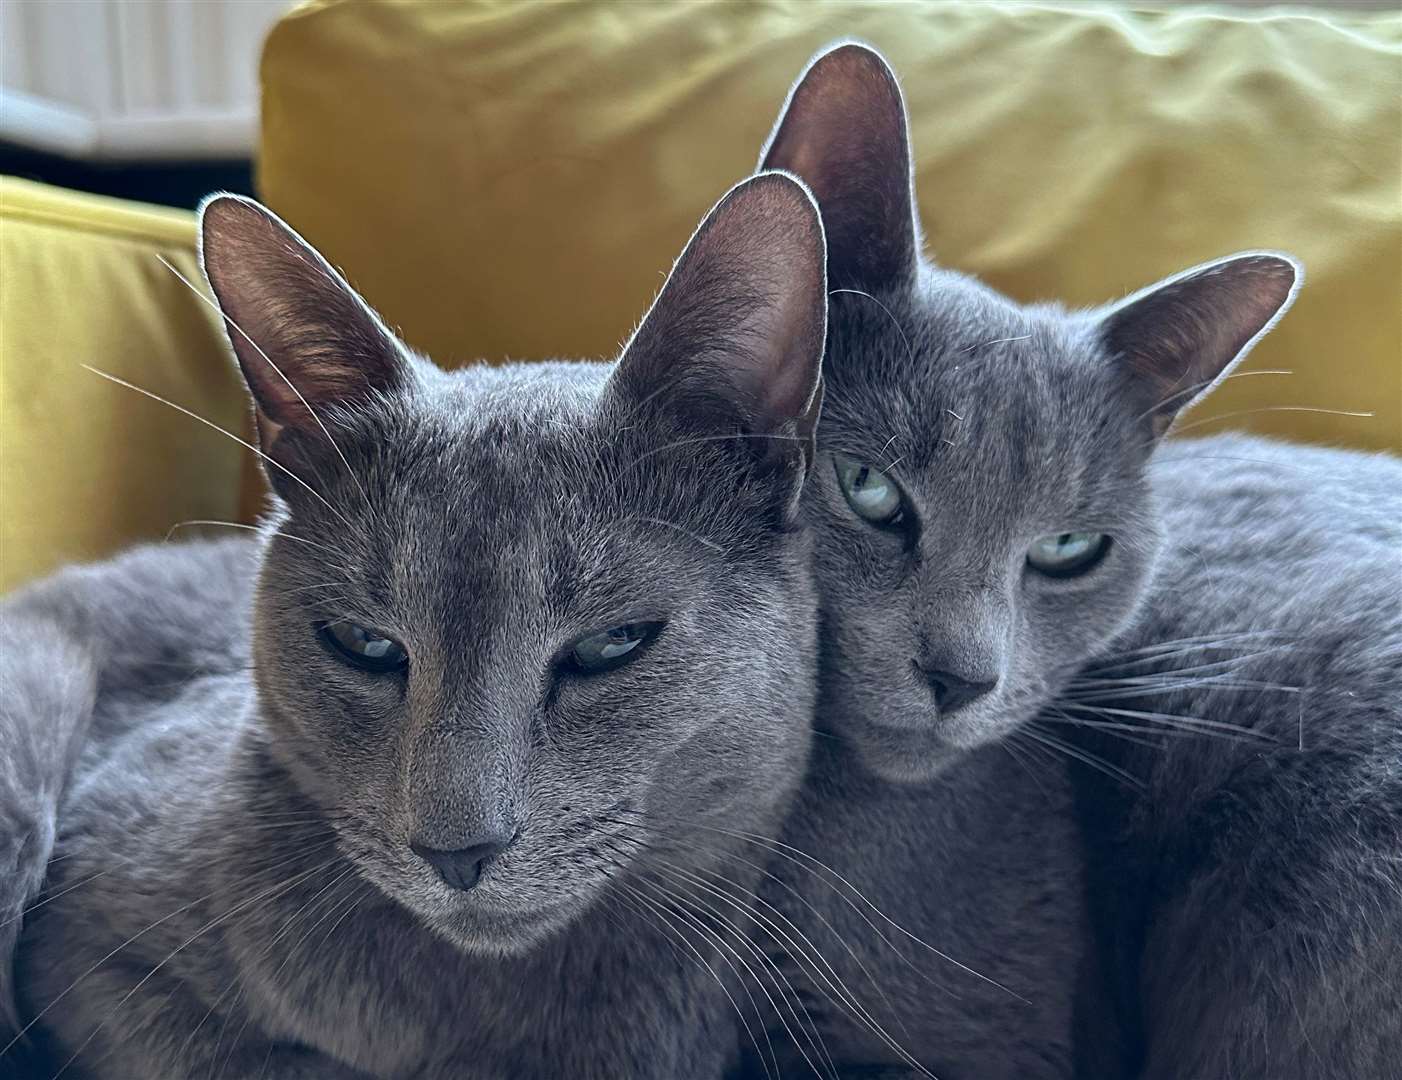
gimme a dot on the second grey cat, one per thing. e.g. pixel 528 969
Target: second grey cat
pixel 1059 663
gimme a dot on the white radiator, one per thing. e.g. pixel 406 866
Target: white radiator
pixel 133 79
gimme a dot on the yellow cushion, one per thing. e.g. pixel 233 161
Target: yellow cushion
pixel 511 179
pixel 86 466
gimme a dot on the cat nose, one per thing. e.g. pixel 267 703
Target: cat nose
pixel 954 691
pixel 461 867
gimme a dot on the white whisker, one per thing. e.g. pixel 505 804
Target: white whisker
pixel 228 434
pixel 1269 408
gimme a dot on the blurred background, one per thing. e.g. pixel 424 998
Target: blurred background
pixel 146 99
pixel 158 99
pixel 512 180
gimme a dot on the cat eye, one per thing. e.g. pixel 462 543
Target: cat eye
pixel 362 647
pixel 870 493
pixel 611 649
pixel 1067 554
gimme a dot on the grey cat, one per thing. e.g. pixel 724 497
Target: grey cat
pixel 526 643
pixel 1054 655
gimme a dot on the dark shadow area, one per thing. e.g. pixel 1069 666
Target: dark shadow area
pixel 168 183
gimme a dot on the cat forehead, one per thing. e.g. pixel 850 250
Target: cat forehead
pixel 480 473
pixel 516 449
pixel 957 388
pixel 467 403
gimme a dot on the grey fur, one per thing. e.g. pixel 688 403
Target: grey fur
pixel 234 893
pixel 1245 890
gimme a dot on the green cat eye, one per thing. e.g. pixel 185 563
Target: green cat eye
pixel 610 649
pixel 870 493
pixel 361 647
pixel 1067 554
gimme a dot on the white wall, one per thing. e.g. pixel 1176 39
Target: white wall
pixel 133 79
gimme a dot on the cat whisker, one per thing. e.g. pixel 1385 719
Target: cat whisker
pixel 355 900
pixel 715 928
pixel 781 849
pixel 1271 408
pixel 1202 385
pixel 228 434
pixel 826 924
pixel 680 443
pixel 641 904
pixel 1120 664
pixel 910 352
pixel 811 959
pixel 1051 741
pixel 692 882
pixel 268 948
pixel 680 907
pixel 997 341
pixel 1109 672
pixel 1200 641
pixel 251 528
pixel 1227 673
pixel 129 941
pixel 1212 670
pixel 677 528
pixel 1250 461
pixel 269 893
pixel 1013 752
pixel 1130 692
pixel 1233 669
pixel 792 854
pixel 1126 732
pixel 61 893
pixel 1173 720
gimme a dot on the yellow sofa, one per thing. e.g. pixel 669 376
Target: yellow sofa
pixel 507 179
pixel 87 466
pixel 510 180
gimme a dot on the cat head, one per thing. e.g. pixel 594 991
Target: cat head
pixel 518 629
pixel 983 515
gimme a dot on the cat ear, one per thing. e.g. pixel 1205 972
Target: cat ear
pixel 843 131
pixel 305 340
pixel 1179 338
pixel 735 337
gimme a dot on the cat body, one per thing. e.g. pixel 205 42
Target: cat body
pixel 1003 555
pixel 1247 884
pixel 953 922
pixel 982 859
pixel 411 812
pixel 74 652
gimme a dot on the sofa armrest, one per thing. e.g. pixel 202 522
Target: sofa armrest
pixel 87 466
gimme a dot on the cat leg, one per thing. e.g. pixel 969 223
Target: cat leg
pixel 128 1022
pixel 47 688
pixel 272 1061
pixel 1281 958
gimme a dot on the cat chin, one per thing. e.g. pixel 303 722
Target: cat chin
pixel 903 755
pixel 914 755
pixel 500 934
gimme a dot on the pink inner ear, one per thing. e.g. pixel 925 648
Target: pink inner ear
pixel 1179 337
pixel 293 319
pixel 844 133
pixel 741 319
